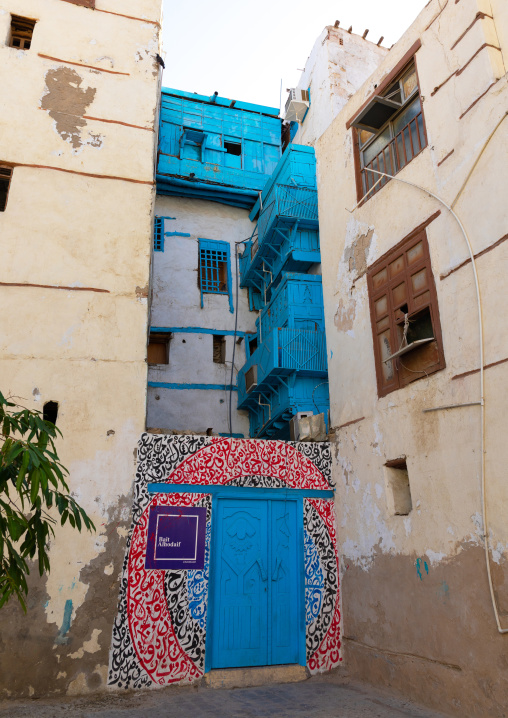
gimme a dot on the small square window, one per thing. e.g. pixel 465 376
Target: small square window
pixel 219 349
pixel 233 148
pixel 398 491
pixel 21 32
pixel 233 154
pixel 158 349
pixel 5 181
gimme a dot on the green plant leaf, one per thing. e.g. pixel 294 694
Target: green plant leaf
pixel 34 485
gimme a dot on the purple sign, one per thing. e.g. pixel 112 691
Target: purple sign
pixel 176 537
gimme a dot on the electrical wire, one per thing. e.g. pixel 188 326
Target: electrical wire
pixel 486 543
pixel 317 387
pixel 237 272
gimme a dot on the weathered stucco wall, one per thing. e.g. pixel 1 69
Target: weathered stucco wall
pixel 77 122
pixel 417 610
pixel 338 65
pixel 176 303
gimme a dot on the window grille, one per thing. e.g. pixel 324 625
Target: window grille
pixel 390 132
pixel 214 270
pixel 158 234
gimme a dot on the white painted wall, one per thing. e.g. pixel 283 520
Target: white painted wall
pixel 176 302
pixel 334 72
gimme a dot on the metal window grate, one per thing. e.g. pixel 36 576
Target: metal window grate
pixel 213 271
pixel 395 155
pixel 158 235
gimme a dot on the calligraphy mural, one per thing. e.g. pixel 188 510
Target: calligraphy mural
pixel 160 630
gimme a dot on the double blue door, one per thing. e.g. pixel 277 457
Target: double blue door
pixel 256 609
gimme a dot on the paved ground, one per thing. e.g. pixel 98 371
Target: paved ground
pixel 309 699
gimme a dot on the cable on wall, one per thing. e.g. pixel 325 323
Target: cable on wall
pixel 486 543
pixel 237 272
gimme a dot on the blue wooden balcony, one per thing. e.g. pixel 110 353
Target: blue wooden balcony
pixel 276 404
pixel 285 375
pixel 282 353
pixel 286 236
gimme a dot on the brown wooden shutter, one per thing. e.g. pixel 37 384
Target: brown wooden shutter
pixel 400 283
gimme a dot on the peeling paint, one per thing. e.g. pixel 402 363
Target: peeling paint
pixel 435 557
pixel 142 291
pixel 499 552
pixel 62 637
pixel 66 102
pixel 91 646
pixel 345 316
pixel 356 255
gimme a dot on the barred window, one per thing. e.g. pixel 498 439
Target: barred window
pixel 158 234
pixel 213 269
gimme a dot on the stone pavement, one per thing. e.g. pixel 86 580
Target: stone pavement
pixel 313 698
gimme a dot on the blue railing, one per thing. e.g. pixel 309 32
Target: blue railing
pixel 301 350
pixel 283 352
pixel 288 201
pixel 286 207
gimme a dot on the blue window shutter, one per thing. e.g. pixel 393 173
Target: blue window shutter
pixel 158 234
pixel 215 269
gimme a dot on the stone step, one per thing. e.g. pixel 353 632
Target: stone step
pixel 258 676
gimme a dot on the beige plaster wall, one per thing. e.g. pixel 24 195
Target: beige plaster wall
pixel 338 65
pixel 85 233
pixel 415 592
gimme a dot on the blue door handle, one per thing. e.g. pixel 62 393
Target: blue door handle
pixel 262 569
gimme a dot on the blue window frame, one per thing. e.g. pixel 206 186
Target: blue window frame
pixel 215 269
pixel 158 234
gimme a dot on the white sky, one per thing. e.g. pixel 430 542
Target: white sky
pixel 243 48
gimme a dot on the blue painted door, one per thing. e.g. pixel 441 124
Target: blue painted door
pixel 256 603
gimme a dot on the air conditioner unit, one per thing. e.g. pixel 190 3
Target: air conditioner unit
pixel 251 378
pixel 306 426
pixel 295 424
pixel 297 105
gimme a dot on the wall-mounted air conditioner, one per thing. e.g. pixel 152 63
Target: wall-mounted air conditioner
pixel 306 426
pixel 251 378
pixel 297 104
